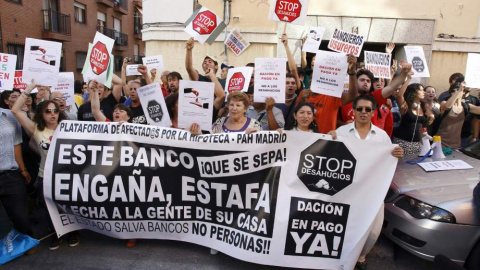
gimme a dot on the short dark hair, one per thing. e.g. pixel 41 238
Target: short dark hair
pixel 77 86
pixel 454 77
pixel 170 101
pixel 250 65
pixel 290 75
pixel 125 108
pixel 367 98
pixel 42 106
pixel 369 74
pixel 175 74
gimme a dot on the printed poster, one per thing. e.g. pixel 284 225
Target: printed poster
pixel 289 11
pixel 270 77
pixel 99 63
pixel 204 25
pixel 153 104
pixel 18 81
pixel 7 71
pixel 153 62
pixel 416 57
pixel 195 104
pixel 314 39
pixel 379 64
pixel 472 75
pixel 347 43
pixel 65 84
pixel 328 76
pixel 238 79
pixel 41 61
pixel 236 42
pixel 132 70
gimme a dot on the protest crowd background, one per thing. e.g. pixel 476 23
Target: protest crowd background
pixel 325 90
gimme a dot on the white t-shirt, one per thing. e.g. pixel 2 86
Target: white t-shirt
pixel 375 134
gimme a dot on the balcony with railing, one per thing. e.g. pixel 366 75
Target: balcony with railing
pixel 137 26
pixel 56 26
pixel 121 6
pixel 108 3
pixel 121 39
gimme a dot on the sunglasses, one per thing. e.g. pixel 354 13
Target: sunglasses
pixel 51 111
pixel 60 98
pixel 360 109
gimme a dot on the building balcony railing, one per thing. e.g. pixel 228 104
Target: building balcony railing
pixel 108 3
pixel 121 39
pixel 137 28
pixel 56 25
pixel 121 6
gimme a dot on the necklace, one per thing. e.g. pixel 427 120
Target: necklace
pixel 288 99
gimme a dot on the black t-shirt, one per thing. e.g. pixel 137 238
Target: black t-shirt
pixel 106 106
pixel 138 116
pixel 202 78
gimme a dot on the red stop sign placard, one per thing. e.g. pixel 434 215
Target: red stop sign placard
pixel 236 83
pixel 205 22
pixel 288 10
pixel 99 58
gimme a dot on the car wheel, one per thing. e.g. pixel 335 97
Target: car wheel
pixel 473 262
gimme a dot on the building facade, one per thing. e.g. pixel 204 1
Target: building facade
pixel 74 24
pixel 446 30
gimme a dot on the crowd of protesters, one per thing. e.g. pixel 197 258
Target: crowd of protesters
pixel 385 111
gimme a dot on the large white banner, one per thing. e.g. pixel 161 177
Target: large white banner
pixel 329 72
pixel 41 61
pixel 293 199
pixel 472 75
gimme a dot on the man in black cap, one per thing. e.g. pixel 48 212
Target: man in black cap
pixel 224 71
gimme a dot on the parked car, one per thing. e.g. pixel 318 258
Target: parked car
pixel 432 213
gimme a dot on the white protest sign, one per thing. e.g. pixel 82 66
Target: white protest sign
pixel 329 71
pixel 41 61
pixel 345 42
pixel 7 71
pixel 270 79
pixel 238 79
pixel 153 62
pixel 153 104
pixel 98 64
pixel 472 75
pixel 195 104
pixel 204 25
pixel 132 70
pixel 379 64
pixel 416 57
pixel 314 39
pixel 289 11
pixel 65 84
pixel 236 42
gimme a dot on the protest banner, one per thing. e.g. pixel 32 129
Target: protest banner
pixel 7 71
pixel 289 11
pixel 236 42
pixel 18 81
pixel 347 43
pixel 238 79
pixel 195 104
pixel 132 70
pixel 270 79
pixel 41 61
pixel 99 62
pixel 65 84
pixel 154 62
pixel 416 57
pixel 314 39
pixel 289 199
pixel 379 64
pixel 329 71
pixel 472 75
pixel 204 25
pixel 153 104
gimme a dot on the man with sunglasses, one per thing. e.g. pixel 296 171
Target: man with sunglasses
pixel 362 128
pixel 60 99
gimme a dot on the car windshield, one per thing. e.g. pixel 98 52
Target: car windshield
pixel 472 150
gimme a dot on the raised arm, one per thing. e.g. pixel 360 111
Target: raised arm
pixel 20 115
pixel 303 62
pixel 117 87
pixel 396 82
pixel 218 90
pixel 352 80
pixel 144 71
pixel 399 96
pixel 291 61
pixel 192 73
pixel 272 121
pixel 126 89
pixel 97 113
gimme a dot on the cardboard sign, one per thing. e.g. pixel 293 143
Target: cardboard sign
pixel 416 57
pixel 472 75
pixel 329 71
pixel 204 25
pixel 236 42
pixel 314 39
pixel 65 84
pixel 132 70
pixel 7 70
pixel 195 104
pixel 41 61
pixel 154 62
pixel 18 81
pixel 379 64
pixel 289 11
pixel 99 62
pixel 238 79
pixel 270 79
pixel 347 43
pixel 153 104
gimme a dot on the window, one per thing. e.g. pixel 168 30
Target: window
pixel 79 12
pixel 18 50
pixel 101 20
pixel 118 62
pixel 81 58
pixel 15 1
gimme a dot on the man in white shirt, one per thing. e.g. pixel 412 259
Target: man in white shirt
pixel 362 128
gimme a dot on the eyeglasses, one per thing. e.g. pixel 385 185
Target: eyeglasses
pixel 60 98
pixel 360 109
pixel 51 111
